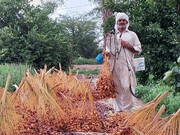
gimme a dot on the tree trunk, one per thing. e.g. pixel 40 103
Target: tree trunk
pixel 106 13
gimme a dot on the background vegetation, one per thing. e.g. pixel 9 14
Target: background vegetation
pixel 157 24
pixel 81 61
pixel 158 28
pixel 28 35
pixel 16 71
pixel 83 36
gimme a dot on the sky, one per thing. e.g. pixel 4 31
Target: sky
pixel 71 7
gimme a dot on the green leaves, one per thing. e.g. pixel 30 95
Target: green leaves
pixel 109 24
pixel 31 37
pixel 82 34
pixel 157 26
pixel 150 91
pixel 172 77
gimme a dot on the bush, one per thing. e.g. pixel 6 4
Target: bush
pixel 172 77
pixel 83 71
pixel 31 37
pixel 150 91
pixel 81 61
pixel 16 71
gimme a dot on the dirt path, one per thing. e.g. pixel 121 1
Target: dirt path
pixel 87 67
pixel 91 77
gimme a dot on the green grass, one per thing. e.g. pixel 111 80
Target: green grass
pixel 151 90
pixel 81 61
pixel 82 71
pixel 16 72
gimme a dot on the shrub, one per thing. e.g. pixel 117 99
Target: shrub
pixel 172 77
pixel 81 61
pixel 150 91
pixel 82 71
pixel 29 36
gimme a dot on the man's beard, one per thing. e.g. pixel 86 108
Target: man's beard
pixel 122 26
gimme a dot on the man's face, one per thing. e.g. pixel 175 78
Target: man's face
pixel 122 23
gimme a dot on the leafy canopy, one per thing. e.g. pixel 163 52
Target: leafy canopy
pixel 157 26
pixel 83 35
pixel 28 35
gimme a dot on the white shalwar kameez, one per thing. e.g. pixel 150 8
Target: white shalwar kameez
pixel 120 61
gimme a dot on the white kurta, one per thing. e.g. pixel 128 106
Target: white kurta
pixel 122 68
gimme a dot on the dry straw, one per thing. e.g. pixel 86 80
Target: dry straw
pixel 145 114
pixel 169 125
pixel 52 100
pixel 9 119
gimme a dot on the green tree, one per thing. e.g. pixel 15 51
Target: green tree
pixel 28 35
pixel 172 77
pixel 83 35
pixel 174 3
pixel 157 26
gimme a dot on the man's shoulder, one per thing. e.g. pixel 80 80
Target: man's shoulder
pixel 132 33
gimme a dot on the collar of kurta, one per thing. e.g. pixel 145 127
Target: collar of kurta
pixel 126 30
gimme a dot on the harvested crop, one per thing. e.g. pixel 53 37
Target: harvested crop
pixel 106 87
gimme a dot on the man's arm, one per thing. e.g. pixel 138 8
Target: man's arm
pixel 128 46
pixel 108 42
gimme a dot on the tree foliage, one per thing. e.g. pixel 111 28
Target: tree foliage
pixel 83 36
pixel 157 26
pixel 28 35
pixel 172 77
pixel 174 3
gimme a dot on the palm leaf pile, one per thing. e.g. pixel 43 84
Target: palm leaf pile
pixel 53 102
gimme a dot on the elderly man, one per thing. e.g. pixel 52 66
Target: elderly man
pixel 120 49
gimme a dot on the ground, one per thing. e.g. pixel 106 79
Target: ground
pixel 93 79
pixel 88 67
pixel 104 107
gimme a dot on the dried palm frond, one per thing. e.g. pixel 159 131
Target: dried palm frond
pixel 106 87
pixel 156 119
pixel 145 114
pixel 37 103
pixel 46 101
pixel 169 125
pixel 9 119
pixel 26 94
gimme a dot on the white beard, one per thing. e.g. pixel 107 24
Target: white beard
pixel 122 26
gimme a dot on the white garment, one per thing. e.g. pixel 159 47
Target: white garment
pixel 120 61
pixel 122 68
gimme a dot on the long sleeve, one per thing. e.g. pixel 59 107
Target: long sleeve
pixel 136 43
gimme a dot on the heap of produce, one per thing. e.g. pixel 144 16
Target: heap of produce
pixel 105 86
pixel 53 102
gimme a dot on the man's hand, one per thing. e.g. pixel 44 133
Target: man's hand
pixel 128 46
pixel 107 54
pixel 123 43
